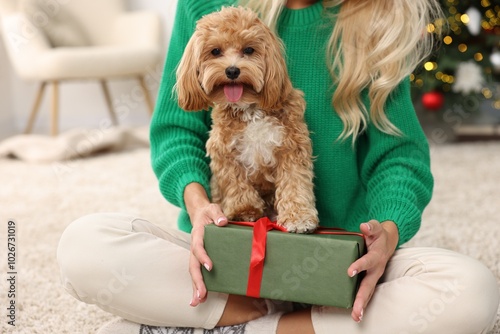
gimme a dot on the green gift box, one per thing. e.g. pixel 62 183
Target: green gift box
pixel 257 260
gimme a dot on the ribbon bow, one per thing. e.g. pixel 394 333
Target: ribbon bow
pixel 259 241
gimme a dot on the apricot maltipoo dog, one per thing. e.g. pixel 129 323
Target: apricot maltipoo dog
pixel 259 145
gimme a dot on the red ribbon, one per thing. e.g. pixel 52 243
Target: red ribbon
pixel 259 241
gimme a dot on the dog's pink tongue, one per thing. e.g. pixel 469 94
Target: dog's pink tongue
pixel 233 92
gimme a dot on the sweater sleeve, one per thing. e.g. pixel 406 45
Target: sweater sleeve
pixel 396 169
pixel 178 137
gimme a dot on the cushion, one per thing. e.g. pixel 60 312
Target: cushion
pixel 56 21
pixel 95 62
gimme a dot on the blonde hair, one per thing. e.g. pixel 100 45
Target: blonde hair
pixel 374 44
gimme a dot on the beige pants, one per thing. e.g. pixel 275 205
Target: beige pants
pixel 133 269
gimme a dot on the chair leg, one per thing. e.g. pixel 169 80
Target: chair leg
pixel 55 108
pixel 107 96
pixel 36 107
pixel 147 96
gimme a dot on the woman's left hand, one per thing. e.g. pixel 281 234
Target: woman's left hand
pixel 381 242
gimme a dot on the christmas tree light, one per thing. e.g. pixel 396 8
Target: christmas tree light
pixel 468 60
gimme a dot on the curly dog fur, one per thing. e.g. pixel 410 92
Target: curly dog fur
pixel 259 145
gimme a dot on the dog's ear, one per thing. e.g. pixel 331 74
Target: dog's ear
pixel 191 96
pixel 277 84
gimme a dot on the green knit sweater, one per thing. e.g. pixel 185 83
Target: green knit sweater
pixel 383 177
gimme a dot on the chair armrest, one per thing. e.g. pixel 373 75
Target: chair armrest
pixel 25 43
pixel 138 28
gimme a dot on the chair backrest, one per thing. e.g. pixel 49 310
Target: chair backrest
pixel 94 18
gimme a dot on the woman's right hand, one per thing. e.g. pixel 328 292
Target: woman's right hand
pixel 201 212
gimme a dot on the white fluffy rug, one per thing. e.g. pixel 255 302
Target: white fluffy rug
pixel 44 198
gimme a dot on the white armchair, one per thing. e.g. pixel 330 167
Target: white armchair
pixel 50 41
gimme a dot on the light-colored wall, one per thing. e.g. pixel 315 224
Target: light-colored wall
pixel 81 103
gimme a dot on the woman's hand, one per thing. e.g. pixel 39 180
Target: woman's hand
pixel 201 212
pixel 381 241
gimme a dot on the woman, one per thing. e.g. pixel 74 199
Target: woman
pixel 352 59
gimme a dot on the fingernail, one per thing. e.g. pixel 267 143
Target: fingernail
pixel 219 221
pixel 198 294
pixel 191 303
pixel 368 226
pixel 361 316
pixel 207 267
pixel 354 273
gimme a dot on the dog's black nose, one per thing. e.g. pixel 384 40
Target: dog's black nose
pixel 232 72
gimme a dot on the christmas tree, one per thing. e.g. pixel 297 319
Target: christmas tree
pixel 465 69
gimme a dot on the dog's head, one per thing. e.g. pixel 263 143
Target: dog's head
pixel 232 59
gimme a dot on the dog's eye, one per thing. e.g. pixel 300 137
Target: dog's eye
pixel 216 52
pixel 248 51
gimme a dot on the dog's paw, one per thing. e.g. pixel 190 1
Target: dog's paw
pixel 300 225
pixel 246 215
